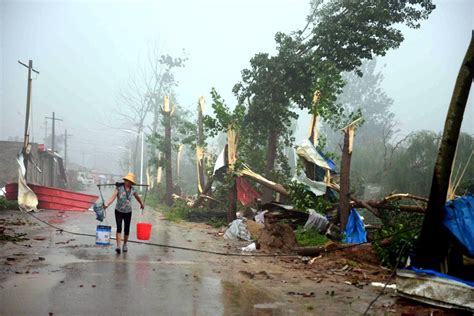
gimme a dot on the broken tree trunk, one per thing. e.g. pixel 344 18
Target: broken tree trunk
pixel 231 212
pixel 202 196
pixel 167 149
pixel 433 245
pixel 344 193
pixel 200 147
pixel 270 162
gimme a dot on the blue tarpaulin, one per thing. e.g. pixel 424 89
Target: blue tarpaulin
pixel 355 230
pixel 329 161
pixel 439 274
pixel 459 220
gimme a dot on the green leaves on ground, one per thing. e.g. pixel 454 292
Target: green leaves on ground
pixel 303 199
pixel 309 238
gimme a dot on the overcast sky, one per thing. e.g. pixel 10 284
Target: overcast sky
pixel 87 50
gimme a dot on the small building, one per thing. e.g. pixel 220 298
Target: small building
pixel 44 168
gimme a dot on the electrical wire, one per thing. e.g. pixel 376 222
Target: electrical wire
pixel 230 254
pixel 61 230
pixel 388 281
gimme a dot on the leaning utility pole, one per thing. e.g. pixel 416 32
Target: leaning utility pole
pixel 26 142
pixel 53 136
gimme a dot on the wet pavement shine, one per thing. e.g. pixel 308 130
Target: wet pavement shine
pixel 78 277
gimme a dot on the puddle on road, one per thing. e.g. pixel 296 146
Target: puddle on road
pixel 28 293
pixel 247 300
pixel 63 259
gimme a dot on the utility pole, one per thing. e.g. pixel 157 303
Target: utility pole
pixel 26 142
pixel 65 147
pixel 52 169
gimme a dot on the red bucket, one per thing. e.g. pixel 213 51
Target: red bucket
pixel 143 231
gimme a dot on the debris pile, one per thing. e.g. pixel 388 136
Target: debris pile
pixel 278 236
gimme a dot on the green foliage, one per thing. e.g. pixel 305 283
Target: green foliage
pixel 346 32
pixel 217 223
pixel 8 205
pixel 412 165
pixel 339 36
pixel 153 198
pixel 303 199
pixel 177 213
pixel 399 225
pixel 309 238
pixel 400 239
pixel 224 116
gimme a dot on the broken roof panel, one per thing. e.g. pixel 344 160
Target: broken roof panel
pixel 307 151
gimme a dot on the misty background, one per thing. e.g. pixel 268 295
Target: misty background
pixel 87 52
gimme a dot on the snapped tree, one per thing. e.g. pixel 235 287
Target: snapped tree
pixel 338 36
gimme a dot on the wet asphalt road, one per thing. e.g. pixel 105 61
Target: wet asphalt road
pixel 81 278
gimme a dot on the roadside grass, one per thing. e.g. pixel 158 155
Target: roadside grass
pixel 180 211
pixel 309 238
pixel 152 200
pixel 176 213
pixel 216 223
pixel 8 205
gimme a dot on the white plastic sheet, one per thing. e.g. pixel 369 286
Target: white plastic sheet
pixel 316 221
pixel 237 230
pixel 250 248
pixel 307 151
pixel 260 217
pixel 318 188
pixel 220 162
pixel 27 199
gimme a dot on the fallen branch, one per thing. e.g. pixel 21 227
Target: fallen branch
pixel 264 181
pixel 371 205
pixel 387 206
pixel 203 195
pixel 180 198
pixel 366 205
pixel 399 196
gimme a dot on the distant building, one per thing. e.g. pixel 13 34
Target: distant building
pixel 42 164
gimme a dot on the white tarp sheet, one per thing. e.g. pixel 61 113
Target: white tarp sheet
pixel 237 230
pixel 27 200
pixel 220 162
pixel 307 151
pixel 318 188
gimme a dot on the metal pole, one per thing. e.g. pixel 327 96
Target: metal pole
pixel 53 135
pixel 141 164
pixel 28 105
pixel 27 116
pixel 129 159
pixel 52 165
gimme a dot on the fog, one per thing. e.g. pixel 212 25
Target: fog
pixel 87 51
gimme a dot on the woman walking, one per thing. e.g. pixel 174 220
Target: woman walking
pixel 123 210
